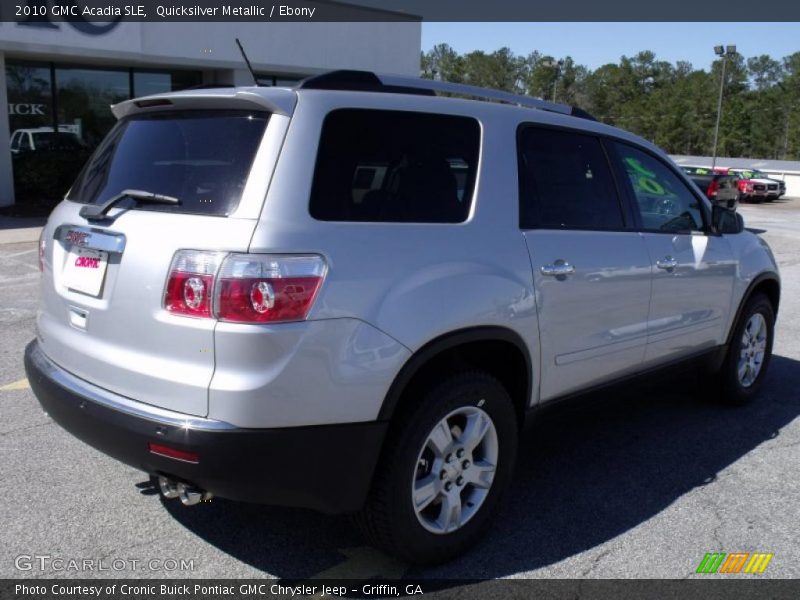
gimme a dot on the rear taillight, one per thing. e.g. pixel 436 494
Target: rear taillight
pixel 191 283
pixel 243 288
pixel 712 188
pixel 264 288
pixel 42 249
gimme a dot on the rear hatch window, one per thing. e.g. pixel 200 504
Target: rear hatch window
pixel 200 157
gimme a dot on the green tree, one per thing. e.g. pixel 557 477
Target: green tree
pixel 674 105
pixel 790 86
pixel 443 63
pixel 501 70
pixel 764 72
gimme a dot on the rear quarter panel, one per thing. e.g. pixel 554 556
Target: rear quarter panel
pixel 414 282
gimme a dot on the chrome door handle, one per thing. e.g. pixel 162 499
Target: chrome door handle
pixel 668 263
pixel 559 269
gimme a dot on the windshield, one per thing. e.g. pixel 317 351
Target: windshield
pixel 696 171
pixel 748 174
pixel 200 157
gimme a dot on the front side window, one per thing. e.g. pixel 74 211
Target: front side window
pixel 664 202
pixel 395 167
pixel 565 182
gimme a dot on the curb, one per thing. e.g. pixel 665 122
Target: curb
pixel 17 230
pixel 18 236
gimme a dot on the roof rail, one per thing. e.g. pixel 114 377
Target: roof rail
pixel 359 81
pixel 367 81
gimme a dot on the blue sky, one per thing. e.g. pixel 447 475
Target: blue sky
pixel 594 44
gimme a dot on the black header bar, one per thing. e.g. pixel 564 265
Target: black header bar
pixel 43 12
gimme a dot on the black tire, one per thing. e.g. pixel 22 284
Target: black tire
pixel 726 383
pixel 389 520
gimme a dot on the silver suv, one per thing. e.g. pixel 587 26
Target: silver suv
pixel 350 295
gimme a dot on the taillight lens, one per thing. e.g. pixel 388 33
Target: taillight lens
pixel 268 288
pixel 191 283
pixel 42 249
pixel 712 188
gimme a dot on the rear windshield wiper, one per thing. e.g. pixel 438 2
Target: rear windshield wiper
pixel 96 212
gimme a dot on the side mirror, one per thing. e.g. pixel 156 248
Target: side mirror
pixel 726 220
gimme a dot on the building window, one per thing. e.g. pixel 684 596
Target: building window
pixel 59 113
pixel 269 79
pixel 147 83
pixel 30 97
pixel 83 98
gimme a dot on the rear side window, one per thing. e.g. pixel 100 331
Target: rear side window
pixel 395 167
pixel 202 158
pixel 565 182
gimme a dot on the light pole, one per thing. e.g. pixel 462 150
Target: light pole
pixel 724 53
pixel 557 66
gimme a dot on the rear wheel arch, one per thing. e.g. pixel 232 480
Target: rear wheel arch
pixel 499 351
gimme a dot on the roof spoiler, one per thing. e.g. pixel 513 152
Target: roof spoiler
pixel 275 100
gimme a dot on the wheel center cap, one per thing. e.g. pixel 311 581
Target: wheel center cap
pixel 453 470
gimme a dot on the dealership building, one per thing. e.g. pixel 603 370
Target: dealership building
pixel 61 78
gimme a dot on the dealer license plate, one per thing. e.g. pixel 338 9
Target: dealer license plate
pixel 85 270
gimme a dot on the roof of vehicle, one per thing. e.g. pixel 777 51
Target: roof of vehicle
pixel 42 130
pixel 282 100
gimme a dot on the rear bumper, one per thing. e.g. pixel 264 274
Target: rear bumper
pixel 327 468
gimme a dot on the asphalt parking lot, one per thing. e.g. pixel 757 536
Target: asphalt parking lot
pixel 636 486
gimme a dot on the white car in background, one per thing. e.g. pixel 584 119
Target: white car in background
pixel 44 138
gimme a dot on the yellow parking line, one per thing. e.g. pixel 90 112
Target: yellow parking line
pixel 22 384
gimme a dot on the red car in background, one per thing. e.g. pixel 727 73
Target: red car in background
pixel 775 187
pixel 752 189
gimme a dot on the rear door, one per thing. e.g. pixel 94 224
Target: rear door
pixel 693 269
pixel 591 271
pixel 102 315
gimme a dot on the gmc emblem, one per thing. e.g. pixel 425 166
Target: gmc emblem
pixel 76 238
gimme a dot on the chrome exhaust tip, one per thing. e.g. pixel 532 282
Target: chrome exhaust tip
pixel 191 495
pixel 168 488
